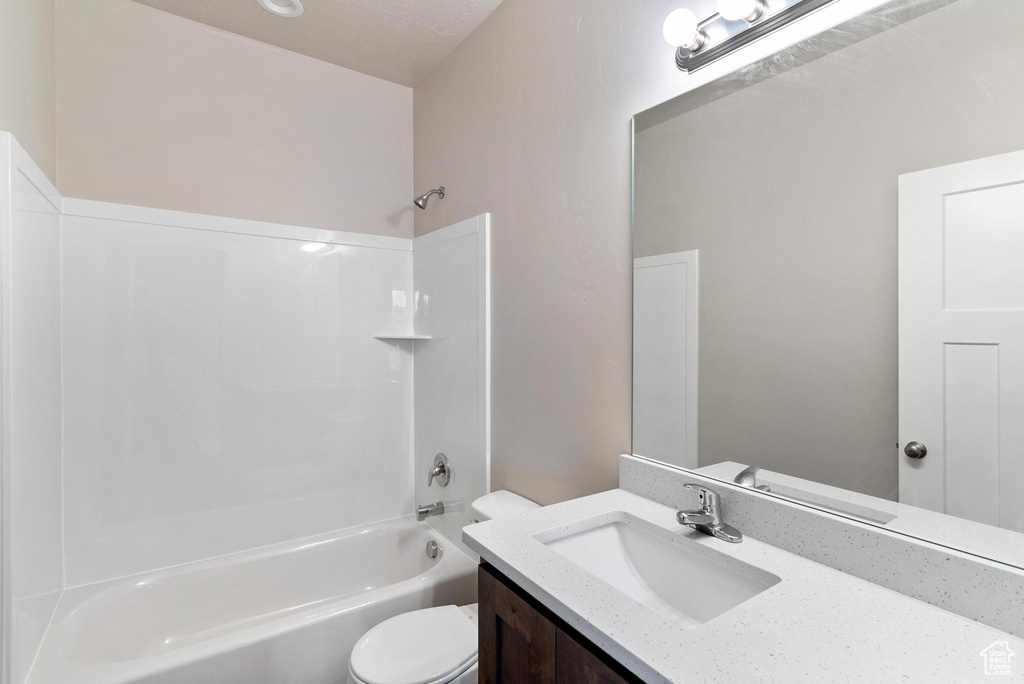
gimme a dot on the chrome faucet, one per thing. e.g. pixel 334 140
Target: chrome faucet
pixel 429 510
pixel 441 470
pixel 708 519
pixel 748 478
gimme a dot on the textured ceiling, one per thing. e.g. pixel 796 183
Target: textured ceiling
pixel 397 40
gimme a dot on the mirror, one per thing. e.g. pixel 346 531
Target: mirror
pixel 829 274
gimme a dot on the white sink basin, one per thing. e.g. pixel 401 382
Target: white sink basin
pixel 684 582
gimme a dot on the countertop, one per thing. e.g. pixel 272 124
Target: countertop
pixel 817 625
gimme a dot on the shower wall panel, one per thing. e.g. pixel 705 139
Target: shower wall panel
pixel 30 226
pixel 223 389
pixel 451 274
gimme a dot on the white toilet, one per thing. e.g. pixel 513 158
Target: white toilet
pixel 433 645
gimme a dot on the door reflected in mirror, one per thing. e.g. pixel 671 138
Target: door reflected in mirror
pixel 829 274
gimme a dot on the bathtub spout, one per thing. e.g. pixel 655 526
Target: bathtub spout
pixel 430 510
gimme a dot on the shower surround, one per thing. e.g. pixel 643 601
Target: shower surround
pixel 181 387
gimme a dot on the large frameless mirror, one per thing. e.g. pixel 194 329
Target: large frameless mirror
pixel 829 275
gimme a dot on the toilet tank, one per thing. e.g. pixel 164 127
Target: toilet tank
pixel 499 504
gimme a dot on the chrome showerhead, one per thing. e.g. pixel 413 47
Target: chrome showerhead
pixel 421 201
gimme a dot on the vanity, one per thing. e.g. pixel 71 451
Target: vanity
pixel 611 588
pixel 522 641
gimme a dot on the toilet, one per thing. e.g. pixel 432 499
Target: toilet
pixel 433 645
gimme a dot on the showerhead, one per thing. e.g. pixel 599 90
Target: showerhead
pixel 421 201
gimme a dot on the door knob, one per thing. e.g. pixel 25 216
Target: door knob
pixel 915 450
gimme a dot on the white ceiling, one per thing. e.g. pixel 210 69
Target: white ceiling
pixel 397 40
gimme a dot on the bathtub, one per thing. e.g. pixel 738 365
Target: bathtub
pixel 276 615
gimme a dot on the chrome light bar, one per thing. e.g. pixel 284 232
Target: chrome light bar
pixel 718 37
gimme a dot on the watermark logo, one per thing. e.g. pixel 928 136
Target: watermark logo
pixel 997 658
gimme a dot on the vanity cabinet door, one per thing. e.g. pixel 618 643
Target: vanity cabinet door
pixel 517 642
pixel 578 665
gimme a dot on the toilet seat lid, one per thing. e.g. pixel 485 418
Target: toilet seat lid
pixel 421 647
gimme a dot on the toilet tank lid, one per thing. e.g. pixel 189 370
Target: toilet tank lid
pixel 499 504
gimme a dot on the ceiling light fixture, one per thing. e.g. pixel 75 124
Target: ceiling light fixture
pixel 737 23
pixel 282 8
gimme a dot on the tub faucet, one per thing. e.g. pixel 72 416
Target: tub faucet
pixel 708 519
pixel 429 510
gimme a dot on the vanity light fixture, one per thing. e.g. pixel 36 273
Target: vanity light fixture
pixel 282 8
pixel 682 29
pixel 737 23
pixel 741 10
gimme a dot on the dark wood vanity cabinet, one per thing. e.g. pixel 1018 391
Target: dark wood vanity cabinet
pixel 521 642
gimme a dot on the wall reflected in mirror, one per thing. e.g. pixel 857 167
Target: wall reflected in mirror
pixel 829 274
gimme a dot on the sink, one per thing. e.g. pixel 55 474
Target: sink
pixel 685 582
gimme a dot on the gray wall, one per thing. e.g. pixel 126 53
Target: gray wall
pixel 788 189
pixel 162 111
pixel 529 119
pixel 28 88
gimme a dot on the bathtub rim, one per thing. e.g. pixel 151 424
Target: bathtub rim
pixel 452 564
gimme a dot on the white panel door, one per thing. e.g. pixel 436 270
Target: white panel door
pixel 665 357
pixel 961 321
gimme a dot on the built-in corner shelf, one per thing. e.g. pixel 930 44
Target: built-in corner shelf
pixel 401 337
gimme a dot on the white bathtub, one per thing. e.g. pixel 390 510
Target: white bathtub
pixel 282 614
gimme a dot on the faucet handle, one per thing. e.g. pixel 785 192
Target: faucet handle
pixel 709 518
pixel 748 478
pixel 441 469
pixel 708 498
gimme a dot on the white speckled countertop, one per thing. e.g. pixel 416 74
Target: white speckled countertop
pixel 817 625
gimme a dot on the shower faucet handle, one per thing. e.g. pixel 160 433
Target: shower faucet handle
pixel 441 471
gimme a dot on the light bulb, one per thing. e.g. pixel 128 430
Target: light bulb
pixel 736 10
pixel 681 29
pixel 282 8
